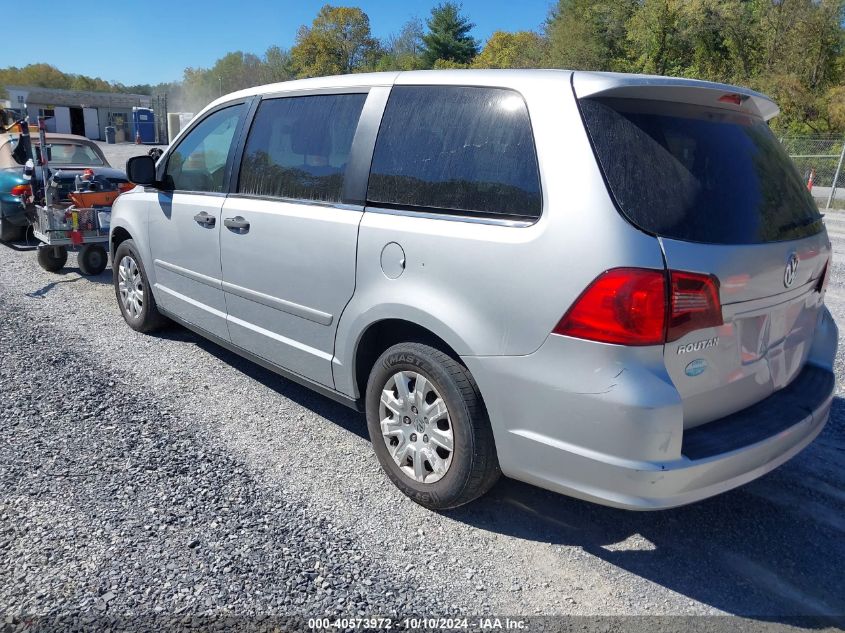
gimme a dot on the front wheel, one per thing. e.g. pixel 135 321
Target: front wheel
pixel 429 427
pixel 134 296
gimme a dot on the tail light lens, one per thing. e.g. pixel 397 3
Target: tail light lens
pixel 626 306
pixel 633 306
pixel 22 190
pixel 694 303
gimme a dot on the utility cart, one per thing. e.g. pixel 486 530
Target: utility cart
pixel 62 228
pixel 79 224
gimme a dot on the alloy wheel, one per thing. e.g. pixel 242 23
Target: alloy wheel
pixel 131 287
pixel 416 427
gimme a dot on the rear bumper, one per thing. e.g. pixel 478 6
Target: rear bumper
pixel 624 445
pixel 658 485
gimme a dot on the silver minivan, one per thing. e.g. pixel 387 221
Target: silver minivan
pixel 611 286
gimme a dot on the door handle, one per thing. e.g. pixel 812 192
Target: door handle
pixel 204 219
pixel 236 224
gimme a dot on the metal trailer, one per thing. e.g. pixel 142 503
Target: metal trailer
pixel 64 228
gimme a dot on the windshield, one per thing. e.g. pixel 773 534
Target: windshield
pixel 699 174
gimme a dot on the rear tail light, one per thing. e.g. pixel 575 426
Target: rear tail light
pixel 626 306
pixel 694 303
pixel 634 306
pixel 21 190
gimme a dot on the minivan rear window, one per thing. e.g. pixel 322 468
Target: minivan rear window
pixel 456 149
pixel 699 174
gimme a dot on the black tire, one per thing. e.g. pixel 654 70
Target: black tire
pixel 148 319
pixel 474 467
pixel 51 260
pixel 92 259
pixel 10 232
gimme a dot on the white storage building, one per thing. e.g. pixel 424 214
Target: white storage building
pixel 78 112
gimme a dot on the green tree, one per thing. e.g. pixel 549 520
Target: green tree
pixel 804 38
pixel 448 36
pixel 338 41
pixel 81 82
pixel 139 89
pixel 48 76
pixel 403 51
pixel 523 49
pixel 835 98
pixel 589 34
pixel 43 75
pixel 658 42
pixel 801 62
pixel 277 66
pixel 448 64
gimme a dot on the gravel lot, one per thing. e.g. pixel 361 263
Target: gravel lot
pixel 163 474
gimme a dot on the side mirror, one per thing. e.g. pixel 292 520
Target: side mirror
pixel 141 170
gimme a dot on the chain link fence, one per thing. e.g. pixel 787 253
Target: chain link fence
pixel 820 162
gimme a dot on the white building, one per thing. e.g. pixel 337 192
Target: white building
pixel 78 112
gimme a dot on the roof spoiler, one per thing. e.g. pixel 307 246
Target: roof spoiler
pixel 693 91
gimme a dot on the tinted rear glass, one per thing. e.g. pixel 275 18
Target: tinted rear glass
pixel 699 174
pixel 458 149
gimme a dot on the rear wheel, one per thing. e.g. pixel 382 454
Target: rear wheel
pixel 134 296
pixel 52 258
pixel 92 259
pixel 429 428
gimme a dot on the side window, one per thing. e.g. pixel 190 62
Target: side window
pixel 298 147
pixel 457 149
pixel 199 161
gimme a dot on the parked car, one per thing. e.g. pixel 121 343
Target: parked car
pixel 611 286
pixel 69 156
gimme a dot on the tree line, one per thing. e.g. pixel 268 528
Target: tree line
pixel 48 76
pixel 793 50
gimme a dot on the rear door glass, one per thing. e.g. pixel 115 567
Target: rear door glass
pixel 456 149
pixel 699 174
pixel 299 147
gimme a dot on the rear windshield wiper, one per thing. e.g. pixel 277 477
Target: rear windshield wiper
pixel 800 224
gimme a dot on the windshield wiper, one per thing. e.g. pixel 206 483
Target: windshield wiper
pixel 800 224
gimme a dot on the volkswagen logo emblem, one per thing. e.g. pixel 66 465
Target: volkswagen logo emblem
pixel 791 269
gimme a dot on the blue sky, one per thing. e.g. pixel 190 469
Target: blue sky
pixel 119 42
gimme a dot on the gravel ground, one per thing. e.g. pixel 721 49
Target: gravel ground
pixel 164 474
pixel 112 503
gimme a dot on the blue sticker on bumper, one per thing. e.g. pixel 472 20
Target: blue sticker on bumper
pixel 696 367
